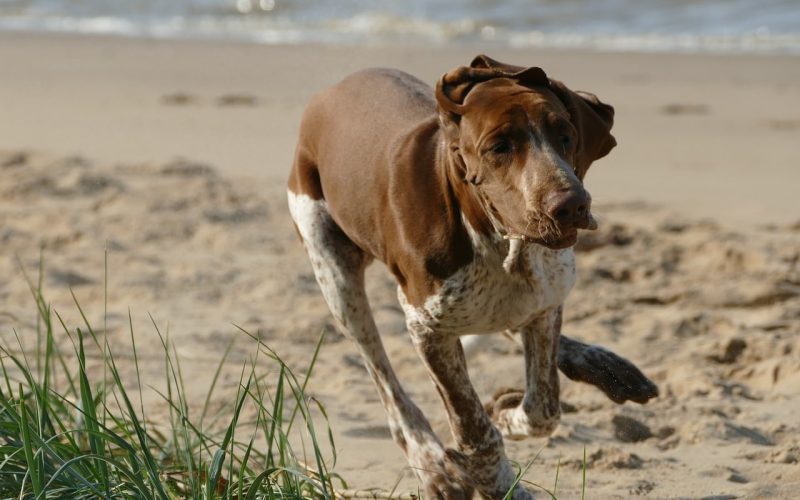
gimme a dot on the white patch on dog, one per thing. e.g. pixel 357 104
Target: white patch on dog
pixel 483 298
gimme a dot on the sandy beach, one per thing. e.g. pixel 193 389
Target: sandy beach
pixel 171 156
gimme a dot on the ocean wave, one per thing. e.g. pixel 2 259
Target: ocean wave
pixel 421 23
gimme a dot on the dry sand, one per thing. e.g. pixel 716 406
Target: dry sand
pixel 173 155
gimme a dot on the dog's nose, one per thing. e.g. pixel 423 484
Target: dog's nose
pixel 568 206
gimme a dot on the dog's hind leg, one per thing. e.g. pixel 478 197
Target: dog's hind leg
pixel 339 269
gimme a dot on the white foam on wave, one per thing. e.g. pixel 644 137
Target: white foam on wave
pixel 377 28
pixel 758 42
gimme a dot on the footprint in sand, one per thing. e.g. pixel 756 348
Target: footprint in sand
pixel 244 100
pixel 186 168
pixel 684 108
pixel 370 432
pixel 642 488
pixel 179 99
pixel 14 159
pixel 629 430
pixel 70 279
pixel 84 184
pixel 608 458
pixel 730 353
pixel 785 125
pixel 225 100
pixel 729 473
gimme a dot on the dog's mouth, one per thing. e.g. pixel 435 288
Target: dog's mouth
pixel 567 239
pixel 538 228
pixel 546 232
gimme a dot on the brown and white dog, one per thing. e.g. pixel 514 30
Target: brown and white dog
pixel 472 196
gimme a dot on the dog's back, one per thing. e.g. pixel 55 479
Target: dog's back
pixel 351 140
pixel 362 112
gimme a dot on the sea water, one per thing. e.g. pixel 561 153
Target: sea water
pixel 749 26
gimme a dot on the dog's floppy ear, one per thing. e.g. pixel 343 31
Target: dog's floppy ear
pixel 593 120
pixel 484 61
pixel 453 87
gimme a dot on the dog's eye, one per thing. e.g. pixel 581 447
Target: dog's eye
pixel 566 141
pixel 501 147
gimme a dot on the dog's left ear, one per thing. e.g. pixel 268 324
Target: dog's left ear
pixel 593 120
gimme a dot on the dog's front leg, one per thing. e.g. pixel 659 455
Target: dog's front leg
pixel 617 377
pixel 536 412
pixel 476 437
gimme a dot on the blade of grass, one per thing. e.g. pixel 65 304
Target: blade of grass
pixel 33 464
pixel 89 412
pixel 138 371
pixel 277 419
pixel 245 459
pixel 555 483
pixel 40 284
pixel 215 470
pixel 256 484
pixel 105 329
pixel 583 481
pixel 217 372
pixel 188 446
pixel 521 472
pixel 6 377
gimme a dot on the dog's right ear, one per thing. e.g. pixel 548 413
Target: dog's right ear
pixel 451 90
pixel 453 87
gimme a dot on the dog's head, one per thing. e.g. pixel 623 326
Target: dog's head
pixel 527 142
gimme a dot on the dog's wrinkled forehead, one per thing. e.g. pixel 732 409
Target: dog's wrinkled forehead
pixel 503 94
pixel 492 92
pixel 505 104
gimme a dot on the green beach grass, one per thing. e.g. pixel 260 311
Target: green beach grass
pixel 67 432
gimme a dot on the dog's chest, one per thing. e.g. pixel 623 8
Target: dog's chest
pixel 482 297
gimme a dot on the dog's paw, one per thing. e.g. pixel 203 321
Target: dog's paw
pixel 489 470
pixel 446 489
pixel 505 410
pixel 446 477
pixel 504 398
pixel 617 377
